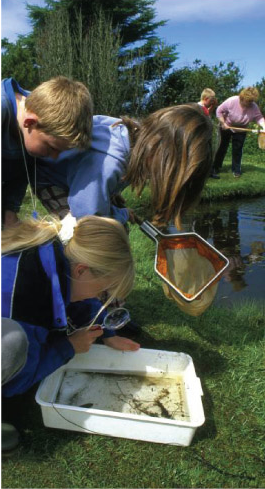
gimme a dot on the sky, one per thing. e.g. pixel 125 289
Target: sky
pixel 208 30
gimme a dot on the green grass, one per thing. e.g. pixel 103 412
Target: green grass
pixel 227 347
pixel 251 183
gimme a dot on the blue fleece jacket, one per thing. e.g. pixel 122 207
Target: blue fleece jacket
pixel 14 177
pixel 36 293
pixel 91 177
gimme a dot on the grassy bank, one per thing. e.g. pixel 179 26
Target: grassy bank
pixel 250 184
pixel 227 347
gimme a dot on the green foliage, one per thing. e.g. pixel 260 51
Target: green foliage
pixel 132 21
pixel 91 57
pixel 133 18
pixel 261 87
pixel 251 146
pixel 18 61
pixel 54 47
pixel 186 84
pixel 70 38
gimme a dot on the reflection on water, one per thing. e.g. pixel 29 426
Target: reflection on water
pixel 237 229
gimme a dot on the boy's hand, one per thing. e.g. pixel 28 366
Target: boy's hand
pixel 132 217
pixel 82 340
pixel 10 219
pixel 120 343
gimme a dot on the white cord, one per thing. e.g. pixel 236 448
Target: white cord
pixel 33 197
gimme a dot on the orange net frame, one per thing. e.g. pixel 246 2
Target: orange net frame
pixel 189 267
pixel 184 244
pixel 191 271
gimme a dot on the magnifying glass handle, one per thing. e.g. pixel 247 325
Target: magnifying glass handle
pixel 97 327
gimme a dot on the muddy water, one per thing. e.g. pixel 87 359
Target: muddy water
pixel 159 397
pixel 237 229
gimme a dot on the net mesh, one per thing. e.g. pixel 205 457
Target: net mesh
pixel 189 265
pixel 261 140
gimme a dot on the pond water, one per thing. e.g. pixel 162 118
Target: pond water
pixel 237 229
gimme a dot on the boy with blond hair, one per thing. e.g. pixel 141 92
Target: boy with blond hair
pixel 55 116
pixel 208 101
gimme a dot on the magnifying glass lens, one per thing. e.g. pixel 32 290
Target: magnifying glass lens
pixel 117 318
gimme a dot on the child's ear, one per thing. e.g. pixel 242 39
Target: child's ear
pixel 30 120
pixel 78 270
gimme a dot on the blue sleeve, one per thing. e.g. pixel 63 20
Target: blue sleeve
pixel 120 214
pixel 91 183
pixel 45 355
pixel 13 187
pixel 13 193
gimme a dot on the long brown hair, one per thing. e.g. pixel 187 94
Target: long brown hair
pixel 173 153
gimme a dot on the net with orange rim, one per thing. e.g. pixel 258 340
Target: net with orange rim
pixel 189 264
pixel 261 140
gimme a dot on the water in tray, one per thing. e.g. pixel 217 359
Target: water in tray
pixel 160 397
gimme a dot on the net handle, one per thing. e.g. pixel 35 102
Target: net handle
pixel 150 230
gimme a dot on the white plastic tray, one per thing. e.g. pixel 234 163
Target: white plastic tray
pixel 148 395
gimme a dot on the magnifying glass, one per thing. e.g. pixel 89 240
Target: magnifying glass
pixel 116 319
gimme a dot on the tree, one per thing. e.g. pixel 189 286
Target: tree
pixel 18 61
pixel 186 84
pixel 61 42
pixel 91 56
pixel 132 19
pixel 261 88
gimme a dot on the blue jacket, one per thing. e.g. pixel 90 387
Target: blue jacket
pixel 91 177
pixel 36 293
pixel 14 177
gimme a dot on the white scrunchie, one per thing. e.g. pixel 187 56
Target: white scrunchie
pixel 67 230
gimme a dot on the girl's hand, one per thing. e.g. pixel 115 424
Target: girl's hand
pixel 118 200
pixel 132 216
pixel 120 343
pixel 82 340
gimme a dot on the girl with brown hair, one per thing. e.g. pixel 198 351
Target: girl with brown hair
pixel 170 150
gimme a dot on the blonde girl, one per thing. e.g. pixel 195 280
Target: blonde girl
pixel 45 280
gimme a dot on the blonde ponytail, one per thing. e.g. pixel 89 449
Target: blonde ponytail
pixel 29 233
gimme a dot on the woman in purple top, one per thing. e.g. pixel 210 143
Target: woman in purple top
pixel 237 111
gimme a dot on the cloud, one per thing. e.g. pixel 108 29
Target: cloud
pixel 14 18
pixel 210 11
